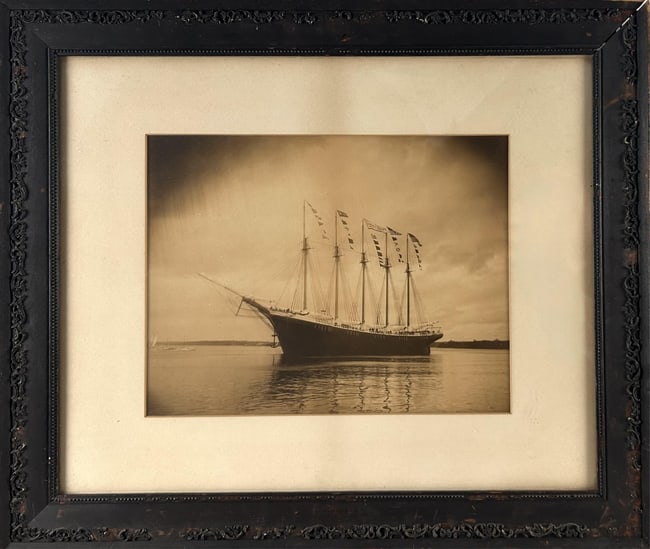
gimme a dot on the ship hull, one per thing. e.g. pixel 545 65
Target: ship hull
pixel 304 338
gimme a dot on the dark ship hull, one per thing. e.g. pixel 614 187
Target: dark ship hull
pixel 304 337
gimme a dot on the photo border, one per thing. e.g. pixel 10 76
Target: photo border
pixel 280 405
pixel 34 509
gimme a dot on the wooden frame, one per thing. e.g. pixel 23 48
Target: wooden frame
pixel 37 33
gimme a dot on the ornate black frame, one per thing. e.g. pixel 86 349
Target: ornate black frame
pixel 36 33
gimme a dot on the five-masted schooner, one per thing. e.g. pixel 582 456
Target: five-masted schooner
pixel 322 333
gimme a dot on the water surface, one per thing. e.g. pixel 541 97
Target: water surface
pixel 246 380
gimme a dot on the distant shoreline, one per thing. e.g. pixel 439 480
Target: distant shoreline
pixel 243 343
pixel 474 344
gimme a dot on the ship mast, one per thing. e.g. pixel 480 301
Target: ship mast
pixel 305 251
pixel 364 261
pixel 408 284
pixel 337 257
pixel 387 267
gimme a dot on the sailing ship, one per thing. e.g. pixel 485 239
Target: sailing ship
pixel 322 331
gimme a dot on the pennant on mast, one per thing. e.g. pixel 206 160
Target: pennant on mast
pixel 342 215
pixel 374 227
pixel 394 234
pixel 319 220
pixel 416 246
pixel 414 239
pixel 380 254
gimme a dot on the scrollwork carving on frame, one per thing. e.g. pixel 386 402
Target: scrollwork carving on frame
pixel 463 530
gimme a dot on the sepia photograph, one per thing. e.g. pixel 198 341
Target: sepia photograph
pixel 327 274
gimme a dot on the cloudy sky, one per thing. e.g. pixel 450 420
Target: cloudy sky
pixel 231 207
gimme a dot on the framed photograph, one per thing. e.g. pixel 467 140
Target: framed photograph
pixel 299 275
pixel 348 331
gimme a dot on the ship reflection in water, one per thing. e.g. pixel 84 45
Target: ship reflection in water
pixel 232 380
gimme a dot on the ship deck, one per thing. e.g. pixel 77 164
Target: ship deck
pixel 371 329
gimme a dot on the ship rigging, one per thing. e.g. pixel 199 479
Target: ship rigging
pixel 318 329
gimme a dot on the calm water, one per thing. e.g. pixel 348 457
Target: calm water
pixel 233 380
